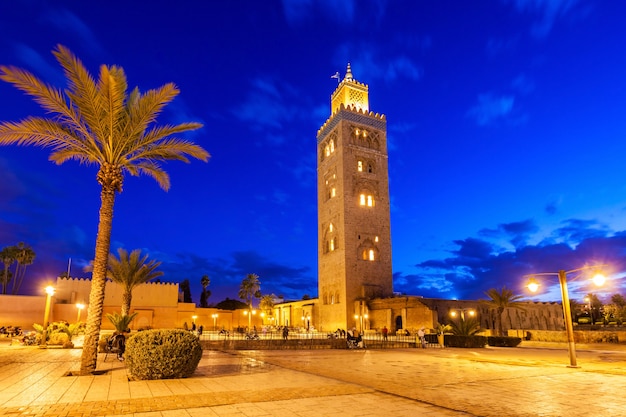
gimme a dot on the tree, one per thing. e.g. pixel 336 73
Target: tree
pixel 618 300
pixel 97 122
pixel 205 282
pixel 501 300
pixel 250 288
pixel 24 256
pixel 267 303
pixel 130 271
pixel 186 289
pixel 8 256
pixel 465 327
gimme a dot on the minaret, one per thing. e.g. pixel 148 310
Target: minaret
pixel 354 237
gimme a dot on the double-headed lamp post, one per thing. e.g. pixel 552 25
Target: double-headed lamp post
pixel 598 279
pixel 46 314
pixel 470 312
pixel 214 320
pixel 249 313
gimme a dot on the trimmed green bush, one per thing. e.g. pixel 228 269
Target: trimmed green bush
pixel 503 341
pixel 162 354
pixel 465 341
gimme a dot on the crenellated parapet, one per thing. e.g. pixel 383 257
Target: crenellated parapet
pixel 354 114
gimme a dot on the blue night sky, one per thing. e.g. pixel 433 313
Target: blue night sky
pixel 506 130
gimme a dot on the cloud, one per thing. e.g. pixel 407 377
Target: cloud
pixel 265 108
pixel 546 12
pixel 298 12
pixel 477 264
pixel 68 22
pixel 490 108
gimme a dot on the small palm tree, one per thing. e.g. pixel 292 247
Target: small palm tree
pixel 500 300
pixel 250 288
pixel 465 327
pixel 129 271
pixel 97 122
pixel 121 322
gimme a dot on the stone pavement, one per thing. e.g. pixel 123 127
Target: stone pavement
pixel 527 381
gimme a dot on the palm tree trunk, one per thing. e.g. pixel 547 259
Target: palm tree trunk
pixel 126 300
pixel 89 356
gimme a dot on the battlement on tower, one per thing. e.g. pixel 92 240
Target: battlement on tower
pixel 350 109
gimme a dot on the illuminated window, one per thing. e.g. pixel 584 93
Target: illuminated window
pixel 376 239
pixel 360 166
pixel 332 298
pixel 331 245
pixel 333 192
pixel 330 227
pixel 366 200
pixel 332 146
pixel 369 255
pixel 327 150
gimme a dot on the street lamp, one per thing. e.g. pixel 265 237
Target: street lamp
pixel 46 316
pixel 214 321
pixel 360 319
pixel 470 312
pixel 598 279
pixel 249 313
pixel 80 307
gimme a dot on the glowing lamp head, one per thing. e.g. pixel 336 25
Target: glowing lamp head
pixel 472 313
pixel 599 279
pixel 453 313
pixel 533 285
pixel 50 290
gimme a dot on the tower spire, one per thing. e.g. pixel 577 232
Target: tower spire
pixel 348 73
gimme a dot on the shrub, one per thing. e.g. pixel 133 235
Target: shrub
pixel 163 354
pixel 503 341
pixel 466 341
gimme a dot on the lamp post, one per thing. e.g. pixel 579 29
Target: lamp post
pixel 249 313
pixel 360 318
pixel 214 321
pixel 533 285
pixel 470 311
pixel 80 307
pixel 46 314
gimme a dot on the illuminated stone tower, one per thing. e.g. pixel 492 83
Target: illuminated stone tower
pixel 354 238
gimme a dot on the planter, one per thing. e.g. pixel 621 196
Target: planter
pixel 440 339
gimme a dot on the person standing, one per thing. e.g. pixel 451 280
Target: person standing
pixel 421 334
pixel 385 331
pixel 285 332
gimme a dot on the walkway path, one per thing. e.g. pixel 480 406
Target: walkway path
pixel 407 382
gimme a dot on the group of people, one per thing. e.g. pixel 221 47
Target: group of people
pixel 10 331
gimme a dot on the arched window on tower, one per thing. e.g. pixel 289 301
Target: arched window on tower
pixel 359 166
pixel 366 200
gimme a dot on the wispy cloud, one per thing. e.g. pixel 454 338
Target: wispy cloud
pixel 66 21
pixel 491 108
pixel 546 12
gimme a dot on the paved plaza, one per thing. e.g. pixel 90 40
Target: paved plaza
pixel 529 381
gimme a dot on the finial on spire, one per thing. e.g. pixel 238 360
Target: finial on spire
pixel 348 73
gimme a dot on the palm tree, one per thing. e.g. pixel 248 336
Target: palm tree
pixel 8 256
pixel 205 281
pixel 465 326
pixel 500 300
pixel 24 256
pixel 97 122
pixel 130 271
pixel 250 288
